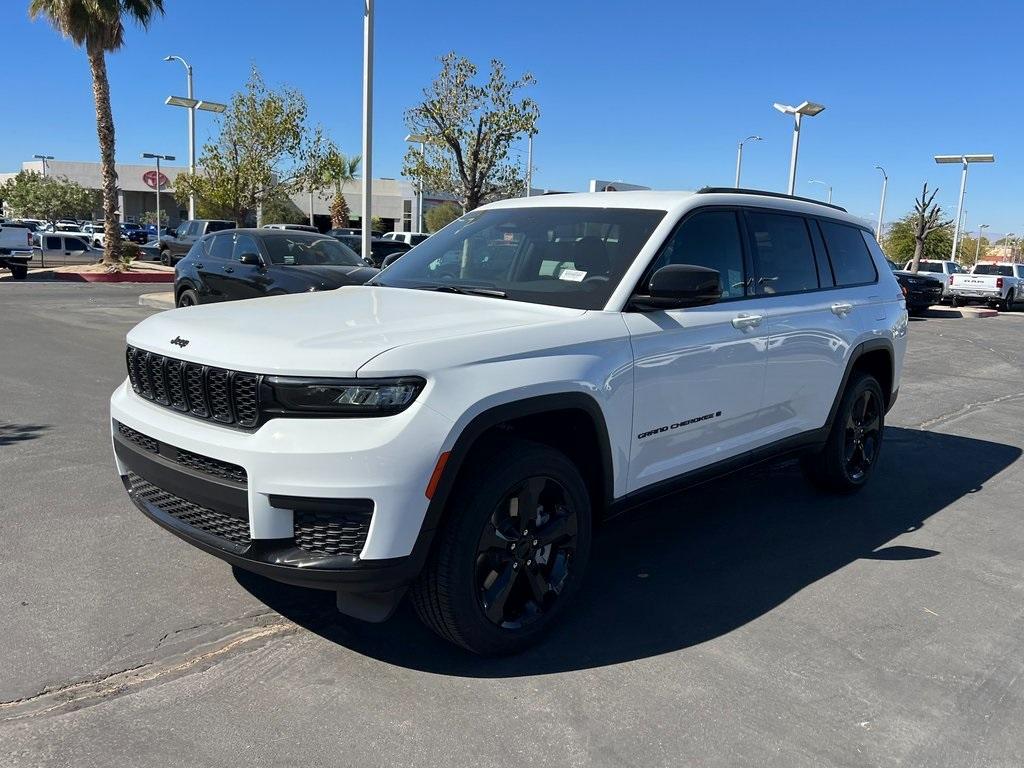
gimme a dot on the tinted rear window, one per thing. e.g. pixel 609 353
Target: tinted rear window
pixel 851 261
pixel 217 226
pixel 1004 270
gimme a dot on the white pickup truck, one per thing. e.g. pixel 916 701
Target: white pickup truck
pixel 15 248
pixel 996 283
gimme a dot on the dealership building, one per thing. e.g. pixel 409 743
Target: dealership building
pixel 393 199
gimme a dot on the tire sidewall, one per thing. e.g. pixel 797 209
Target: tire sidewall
pixel 837 442
pixel 190 292
pixel 474 503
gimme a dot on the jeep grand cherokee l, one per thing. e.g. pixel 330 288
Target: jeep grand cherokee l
pixel 454 429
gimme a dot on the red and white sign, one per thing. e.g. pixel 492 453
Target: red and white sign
pixel 149 178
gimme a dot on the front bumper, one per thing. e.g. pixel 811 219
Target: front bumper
pixel 285 469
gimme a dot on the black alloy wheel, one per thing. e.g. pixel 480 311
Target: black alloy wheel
pixel 525 553
pixel 188 298
pixel 863 435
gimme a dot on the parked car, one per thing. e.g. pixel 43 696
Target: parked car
pixel 248 263
pixel 96 234
pixel 921 291
pixel 296 227
pixel 410 238
pixel 939 269
pixel 454 428
pixel 176 243
pixel 998 284
pixel 58 249
pixel 380 249
pixel 134 233
pixel 15 248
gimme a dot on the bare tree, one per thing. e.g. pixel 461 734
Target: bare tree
pixel 927 219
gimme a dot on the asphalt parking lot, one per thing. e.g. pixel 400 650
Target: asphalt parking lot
pixel 748 622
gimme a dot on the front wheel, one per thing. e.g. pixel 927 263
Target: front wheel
pixel 512 552
pixel 854 441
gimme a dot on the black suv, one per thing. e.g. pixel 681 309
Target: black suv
pixel 176 243
pixel 247 263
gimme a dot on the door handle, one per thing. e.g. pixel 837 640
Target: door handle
pixel 229 269
pixel 743 322
pixel 199 266
pixel 842 310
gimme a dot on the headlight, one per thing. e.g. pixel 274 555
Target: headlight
pixel 340 397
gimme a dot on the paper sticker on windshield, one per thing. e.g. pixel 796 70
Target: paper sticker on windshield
pixel 573 275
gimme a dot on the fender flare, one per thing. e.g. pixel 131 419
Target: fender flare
pixel 871 345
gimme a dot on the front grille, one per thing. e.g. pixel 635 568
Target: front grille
pixel 215 523
pixel 222 469
pixel 223 396
pixel 331 532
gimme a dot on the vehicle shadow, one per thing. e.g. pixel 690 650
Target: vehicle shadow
pixel 696 565
pixel 19 433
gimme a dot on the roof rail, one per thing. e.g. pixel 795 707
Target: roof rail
pixel 764 193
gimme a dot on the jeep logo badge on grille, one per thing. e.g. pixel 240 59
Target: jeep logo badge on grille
pixel 180 342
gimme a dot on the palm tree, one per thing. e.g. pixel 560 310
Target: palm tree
pixel 339 170
pixel 98 26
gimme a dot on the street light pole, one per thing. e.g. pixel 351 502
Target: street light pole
pixel 420 139
pixel 529 164
pixel 881 207
pixel 158 158
pixel 964 161
pixel 808 108
pixel 823 183
pixel 45 159
pixel 191 129
pixel 739 156
pixel 977 249
pixel 367 125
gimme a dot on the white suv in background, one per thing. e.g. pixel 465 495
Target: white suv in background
pixel 455 427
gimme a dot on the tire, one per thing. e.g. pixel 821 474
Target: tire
pixel 187 298
pixel 1006 305
pixel 19 271
pixel 481 583
pixel 166 259
pixel 854 441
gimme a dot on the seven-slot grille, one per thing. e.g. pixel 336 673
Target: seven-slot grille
pixel 226 397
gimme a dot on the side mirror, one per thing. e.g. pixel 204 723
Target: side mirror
pixel 677 286
pixel 252 259
pixel 171 232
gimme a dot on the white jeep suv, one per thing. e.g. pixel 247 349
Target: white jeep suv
pixel 457 427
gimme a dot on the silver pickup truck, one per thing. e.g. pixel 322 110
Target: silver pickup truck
pixel 15 248
pixel 995 283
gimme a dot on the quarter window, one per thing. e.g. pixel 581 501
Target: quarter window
pixel 851 261
pixel 709 239
pixel 74 244
pixel 783 257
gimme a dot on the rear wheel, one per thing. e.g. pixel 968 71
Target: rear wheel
pixel 851 452
pixel 19 271
pixel 512 552
pixel 188 298
pixel 1008 302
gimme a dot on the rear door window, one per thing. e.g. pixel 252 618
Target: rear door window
pixel 783 256
pixel 218 226
pixel 74 244
pixel 52 244
pixel 848 253
pixel 221 246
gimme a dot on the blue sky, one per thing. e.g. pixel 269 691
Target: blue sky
pixel 651 92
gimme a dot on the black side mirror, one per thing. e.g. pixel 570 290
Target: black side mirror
pixel 252 259
pixel 677 286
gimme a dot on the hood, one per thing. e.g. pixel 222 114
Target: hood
pixel 326 277
pixel 327 334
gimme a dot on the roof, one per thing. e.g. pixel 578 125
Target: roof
pixel 678 202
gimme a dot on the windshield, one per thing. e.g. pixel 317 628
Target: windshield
pixel 301 250
pixel 1004 270
pixel 566 257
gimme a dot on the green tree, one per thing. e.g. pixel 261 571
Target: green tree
pixel 280 209
pixel 441 216
pixel 32 195
pixel 921 234
pixel 149 217
pixel 470 128
pixel 98 26
pixel 337 170
pixel 377 224
pixel 266 148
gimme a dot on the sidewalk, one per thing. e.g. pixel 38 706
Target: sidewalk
pixel 160 300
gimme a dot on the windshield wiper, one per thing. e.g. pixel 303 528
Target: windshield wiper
pixel 469 290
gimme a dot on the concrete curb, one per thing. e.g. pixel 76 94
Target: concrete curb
pixel 162 300
pixel 971 314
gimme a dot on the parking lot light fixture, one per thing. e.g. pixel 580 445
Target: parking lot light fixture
pixel 158 158
pixel 964 161
pixel 825 184
pixel 45 159
pixel 211 106
pixel 881 206
pixel 808 108
pixel 739 156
